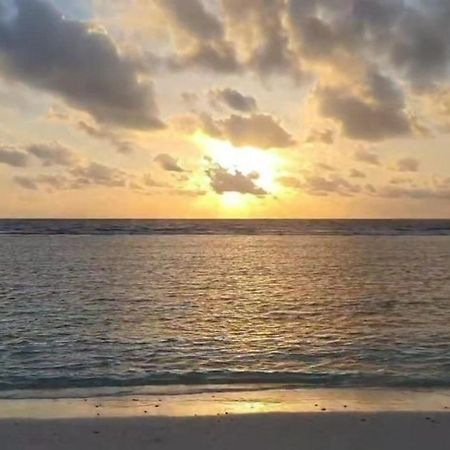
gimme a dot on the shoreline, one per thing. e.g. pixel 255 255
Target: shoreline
pixel 181 402
pixel 313 419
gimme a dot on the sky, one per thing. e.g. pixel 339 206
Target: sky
pixel 225 108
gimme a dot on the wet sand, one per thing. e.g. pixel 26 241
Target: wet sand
pixel 362 419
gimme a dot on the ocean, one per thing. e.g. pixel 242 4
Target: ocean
pixel 141 303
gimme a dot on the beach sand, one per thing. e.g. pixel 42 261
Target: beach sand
pixel 255 420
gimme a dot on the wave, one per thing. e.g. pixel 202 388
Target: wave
pixel 230 378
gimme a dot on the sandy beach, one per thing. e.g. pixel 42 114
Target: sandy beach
pixel 369 419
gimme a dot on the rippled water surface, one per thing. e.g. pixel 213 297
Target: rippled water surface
pixel 138 310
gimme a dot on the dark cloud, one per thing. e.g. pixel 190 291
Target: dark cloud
pixel 53 154
pixel 407 165
pixel 121 145
pixel 258 24
pixel 412 38
pixel 168 163
pixel 223 181
pixel 368 157
pixel 257 130
pixel 12 157
pixel 313 36
pixel 192 16
pixel 408 40
pixel 421 47
pixel 384 91
pixel 233 99
pixel 376 16
pixel 361 119
pixel 250 37
pixel 40 47
pixel 217 56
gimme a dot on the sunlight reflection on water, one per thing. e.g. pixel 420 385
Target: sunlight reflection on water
pixel 118 310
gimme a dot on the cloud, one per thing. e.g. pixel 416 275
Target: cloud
pixel 217 56
pixel 249 36
pixel 289 37
pixel 223 181
pixel 393 47
pixel 87 175
pixel 400 180
pixel 334 184
pixel 256 130
pixel 319 185
pixel 355 173
pixel 325 136
pixel 98 174
pixel 187 192
pixel 12 157
pixel 290 182
pixel 420 49
pixel 192 16
pixel 149 181
pixel 26 182
pixel 168 163
pixel 325 166
pixel 407 165
pixel 233 99
pixel 190 99
pixel 363 120
pixel 122 146
pixel 53 182
pixel 73 59
pixel 257 29
pixel 53 154
pixel 368 157
pixel 415 193
pixel 384 90
pixel 410 37
pixel 198 38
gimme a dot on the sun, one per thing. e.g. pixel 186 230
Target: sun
pixel 247 160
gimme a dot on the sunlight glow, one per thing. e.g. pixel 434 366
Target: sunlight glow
pixel 246 160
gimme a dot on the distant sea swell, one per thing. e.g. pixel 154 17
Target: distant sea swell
pixel 345 227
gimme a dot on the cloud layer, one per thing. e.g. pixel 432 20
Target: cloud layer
pixel 77 61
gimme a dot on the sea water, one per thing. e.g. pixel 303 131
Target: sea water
pixel 300 303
